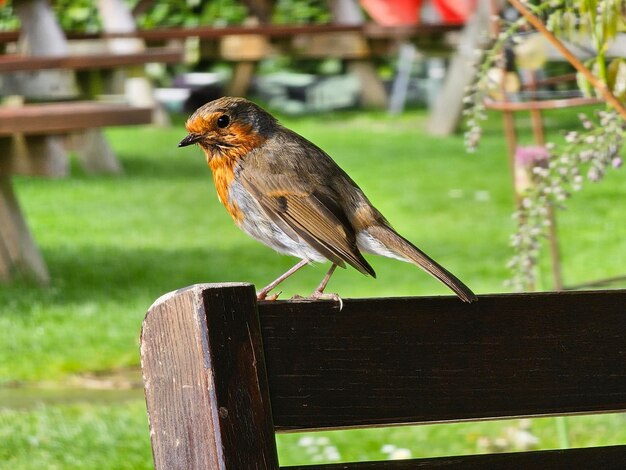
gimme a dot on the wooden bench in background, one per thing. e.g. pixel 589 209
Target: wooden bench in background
pixel 245 46
pixel 32 144
pixel 34 138
pixel 223 373
pixel 19 63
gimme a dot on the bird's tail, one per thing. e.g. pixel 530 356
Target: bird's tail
pixel 405 249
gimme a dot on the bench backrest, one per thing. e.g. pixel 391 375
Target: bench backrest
pixel 223 372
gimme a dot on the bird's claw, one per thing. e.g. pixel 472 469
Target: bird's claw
pixel 317 295
pixel 263 296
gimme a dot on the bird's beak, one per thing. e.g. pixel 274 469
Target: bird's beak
pixel 190 139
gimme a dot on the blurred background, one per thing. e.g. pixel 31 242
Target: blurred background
pixel 101 213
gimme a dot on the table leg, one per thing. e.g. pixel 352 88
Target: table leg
pixel 18 251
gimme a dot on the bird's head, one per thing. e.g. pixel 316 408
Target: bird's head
pixel 229 127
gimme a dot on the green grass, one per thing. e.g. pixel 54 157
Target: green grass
pixel 116 437
pixel 114 244
pixel 77 437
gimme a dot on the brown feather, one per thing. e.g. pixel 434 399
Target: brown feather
pixel 311 219
pixel 400 245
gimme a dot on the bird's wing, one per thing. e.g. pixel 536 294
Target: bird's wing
pixel 313 215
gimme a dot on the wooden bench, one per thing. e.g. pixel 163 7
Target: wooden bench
pixel 18 63
pixel 244 46
pixel 31 143
pixel 58 118
pixel 34 137
pixel 223 373
pixel 356 44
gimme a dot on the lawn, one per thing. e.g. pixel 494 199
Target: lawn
pixel 114 244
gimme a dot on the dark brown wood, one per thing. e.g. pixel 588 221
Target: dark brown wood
pixel 373 30
pixel 376 362
pixel 15 63
pixel 419 360
pixel 606 458
pixel 207 32
pixel 542 82
pixel 205 383
pixel 50 118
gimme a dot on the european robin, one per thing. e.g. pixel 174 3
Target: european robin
pixel 287 193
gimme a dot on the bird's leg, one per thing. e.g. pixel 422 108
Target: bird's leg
pixel 319 294
pixel 322 286
pixel 262 294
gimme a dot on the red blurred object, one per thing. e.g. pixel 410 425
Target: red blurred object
pixel 393 12
pixel 454 11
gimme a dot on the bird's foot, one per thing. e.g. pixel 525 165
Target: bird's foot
pixel 319 295
pixel 262 295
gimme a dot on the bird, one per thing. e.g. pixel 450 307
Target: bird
pixel 287 193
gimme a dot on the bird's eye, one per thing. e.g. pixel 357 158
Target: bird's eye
pixel 223 121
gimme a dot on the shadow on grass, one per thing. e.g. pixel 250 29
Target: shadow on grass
pixel 98 274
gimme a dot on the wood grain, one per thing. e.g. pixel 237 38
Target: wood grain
pixel 420 360
pixel 205 386
pixel 376 362
pixel 18 63
pixel 369 29
pixel 49 118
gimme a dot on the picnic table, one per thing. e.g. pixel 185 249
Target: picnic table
pixel 34 137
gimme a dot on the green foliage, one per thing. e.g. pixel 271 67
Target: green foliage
pixel 82 15
pixel 8 20
pixel 167 14
pixel 77 15
pixel 223 12
pixel 303 11
pixel 592 151
pixel 599 20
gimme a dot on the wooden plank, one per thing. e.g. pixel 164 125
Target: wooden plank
pixel 373 30
pixel 15 63
pixel 419 360
pixel 52 118
pixel 540 105
pixel 606 458
pixel 205 383
pixel 206 32
pixel 158 34
pixel 337 45
pixel 18 251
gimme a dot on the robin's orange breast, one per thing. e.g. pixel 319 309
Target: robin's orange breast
pixel 223 169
